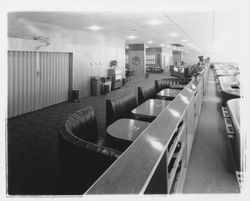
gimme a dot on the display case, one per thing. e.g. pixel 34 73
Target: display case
pixel 116 78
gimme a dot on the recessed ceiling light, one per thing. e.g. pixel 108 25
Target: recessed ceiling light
pixel 131 37
pixel 162 45
pixel 169 46
pixel 150 41
pixel 173 34
pixel 127 47
pixel 183 40
pixel 146 46
pixel 94 27
pixel 154 22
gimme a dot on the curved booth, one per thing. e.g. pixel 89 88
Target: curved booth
pixel 82 156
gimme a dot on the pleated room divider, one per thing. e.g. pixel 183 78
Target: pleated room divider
pixel 36 80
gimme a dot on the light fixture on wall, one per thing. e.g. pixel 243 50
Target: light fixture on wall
pixel 43 39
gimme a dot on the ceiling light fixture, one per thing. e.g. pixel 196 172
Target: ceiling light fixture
pixel 183 40
pixel 150 42
pixel 173 34
pixel 131 37
pixel 162 45
pixel 94 27
pixel 154 22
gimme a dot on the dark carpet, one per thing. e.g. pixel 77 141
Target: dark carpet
pixel 211 167
pixel 32 142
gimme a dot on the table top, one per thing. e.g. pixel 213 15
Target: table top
pixel 171 93
pixel 127 129
pixel 234 110
pixel 150 108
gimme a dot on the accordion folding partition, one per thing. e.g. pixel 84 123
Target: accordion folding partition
pixel 37 80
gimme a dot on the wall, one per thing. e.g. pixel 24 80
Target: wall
pixel 92 53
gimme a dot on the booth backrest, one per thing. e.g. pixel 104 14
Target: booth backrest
pixel 82 159
pixel 83 125
pixel 146 92
pixel 120 107
pixel 161 84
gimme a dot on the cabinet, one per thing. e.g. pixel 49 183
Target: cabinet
pixel 116 78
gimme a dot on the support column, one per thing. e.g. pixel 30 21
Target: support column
pixel 137 60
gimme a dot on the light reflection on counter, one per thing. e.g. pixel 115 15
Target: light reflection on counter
pixel 184 98
pixel 174 112
pixel 193 86
pixel 156 144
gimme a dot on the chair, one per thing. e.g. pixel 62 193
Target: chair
pixel 82 156
pixel 146 92
pixel 120 107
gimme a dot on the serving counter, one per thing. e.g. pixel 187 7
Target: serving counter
pixel 156 162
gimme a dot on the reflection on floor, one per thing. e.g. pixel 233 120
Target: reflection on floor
pixel 211 166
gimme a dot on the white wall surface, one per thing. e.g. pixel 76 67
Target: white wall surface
pixel 92 53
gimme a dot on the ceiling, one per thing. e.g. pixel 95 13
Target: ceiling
pixel 200 31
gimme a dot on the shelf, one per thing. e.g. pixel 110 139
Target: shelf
pixel 176 163
pixel 177 139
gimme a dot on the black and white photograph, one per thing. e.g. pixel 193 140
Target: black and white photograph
pixel 146 99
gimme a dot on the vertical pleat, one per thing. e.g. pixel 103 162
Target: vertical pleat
pixel 36 80
pixel 21 83
pixel 54 70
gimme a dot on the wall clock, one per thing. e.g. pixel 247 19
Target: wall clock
pixel 136 60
